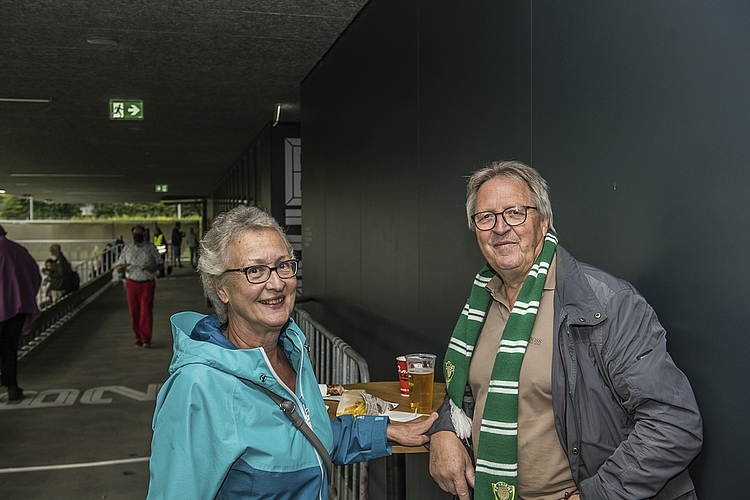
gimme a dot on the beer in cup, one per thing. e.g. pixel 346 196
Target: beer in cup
pixel 421 372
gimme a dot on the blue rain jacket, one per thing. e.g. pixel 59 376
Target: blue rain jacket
pixel 216 435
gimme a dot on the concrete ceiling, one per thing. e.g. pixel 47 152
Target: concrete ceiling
pixel 210 74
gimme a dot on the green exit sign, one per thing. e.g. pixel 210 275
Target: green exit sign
pixel 125 110
pixel 161 188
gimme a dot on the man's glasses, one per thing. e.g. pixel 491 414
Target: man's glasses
pixel 260 274
pixel 513 216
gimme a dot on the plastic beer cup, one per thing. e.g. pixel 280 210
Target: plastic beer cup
pixel 403 379
pixel 421 372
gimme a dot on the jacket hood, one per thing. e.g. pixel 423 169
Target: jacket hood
pixel 243 363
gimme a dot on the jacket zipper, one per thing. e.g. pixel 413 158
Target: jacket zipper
pixel 566 331
pixel 304 408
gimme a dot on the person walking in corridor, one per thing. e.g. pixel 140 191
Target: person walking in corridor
pixel 177 236
pixel 141 263
pixel 192 242
pixel 20 280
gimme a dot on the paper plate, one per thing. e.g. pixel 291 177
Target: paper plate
pixel 402 416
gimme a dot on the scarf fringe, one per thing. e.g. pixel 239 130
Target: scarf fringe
pixel 461 421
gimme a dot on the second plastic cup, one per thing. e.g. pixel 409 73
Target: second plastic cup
pixel 421 371
pixel 403 379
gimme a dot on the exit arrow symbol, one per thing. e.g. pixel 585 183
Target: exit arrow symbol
pixel 133 110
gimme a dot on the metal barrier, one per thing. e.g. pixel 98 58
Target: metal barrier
pixel 336 362
pixel 87 270
pixel 95 278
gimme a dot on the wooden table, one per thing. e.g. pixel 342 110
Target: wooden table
pixel 396 463
pixel 390 391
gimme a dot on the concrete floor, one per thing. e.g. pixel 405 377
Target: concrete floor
pixel 83 430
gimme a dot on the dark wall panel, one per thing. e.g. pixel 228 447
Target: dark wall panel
pixel 637 113
pixel 474 94
pixel 641 119
pixel 363 219
pixel 383 107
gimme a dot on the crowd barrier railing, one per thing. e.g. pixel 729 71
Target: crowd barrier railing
pixel 95 277
pixel 336 362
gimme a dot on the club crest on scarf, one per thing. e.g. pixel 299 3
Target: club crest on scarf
pixel 450 369
pixel 503 491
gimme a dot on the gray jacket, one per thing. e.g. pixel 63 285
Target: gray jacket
pixel 611 362
pixel 625 414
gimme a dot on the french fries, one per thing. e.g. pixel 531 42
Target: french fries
pixel 356 409
pixel 361 403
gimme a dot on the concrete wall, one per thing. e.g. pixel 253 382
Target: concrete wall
pixel 81 240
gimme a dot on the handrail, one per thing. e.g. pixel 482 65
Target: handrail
pixel 95 278
pixel 87 270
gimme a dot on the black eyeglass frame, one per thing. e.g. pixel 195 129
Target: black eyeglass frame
pixel 294 263
pixel 502 214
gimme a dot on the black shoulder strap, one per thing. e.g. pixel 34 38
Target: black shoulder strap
pixel 290 411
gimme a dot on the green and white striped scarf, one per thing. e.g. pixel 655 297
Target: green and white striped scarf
pixel 497 456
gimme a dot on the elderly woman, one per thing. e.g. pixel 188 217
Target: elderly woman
pixel 216 433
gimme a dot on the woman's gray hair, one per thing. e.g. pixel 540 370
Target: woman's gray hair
pixel 213 259
pixel 510 170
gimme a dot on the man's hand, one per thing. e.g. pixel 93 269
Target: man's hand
pixel 410 433
pixel 450 464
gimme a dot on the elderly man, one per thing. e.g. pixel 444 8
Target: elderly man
pixel 559 384
pixel 20 280
pixel 141 262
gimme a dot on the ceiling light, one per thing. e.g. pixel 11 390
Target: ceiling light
pixel 20 99
pixel 277 115
pixel 79 193
pixel 68 175
pixel 102 41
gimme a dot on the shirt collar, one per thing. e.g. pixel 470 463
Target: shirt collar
pixel 496 283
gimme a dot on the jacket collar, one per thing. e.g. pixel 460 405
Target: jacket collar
pixel 574 294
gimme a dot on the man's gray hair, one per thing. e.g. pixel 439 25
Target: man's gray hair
pixel 213 259
pixel 510 170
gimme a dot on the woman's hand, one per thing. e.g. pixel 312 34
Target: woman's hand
pixel 410 433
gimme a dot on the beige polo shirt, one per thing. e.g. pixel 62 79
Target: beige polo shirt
pixel 543 469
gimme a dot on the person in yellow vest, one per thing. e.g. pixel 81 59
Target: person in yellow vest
pixel 161 247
